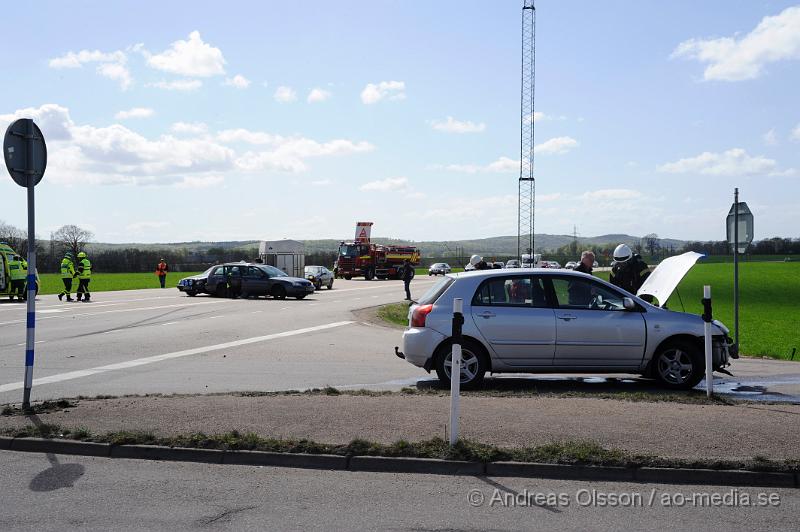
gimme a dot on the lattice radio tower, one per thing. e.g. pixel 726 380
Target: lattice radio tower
pixel 527 183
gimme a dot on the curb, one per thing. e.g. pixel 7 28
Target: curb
pixel 430 466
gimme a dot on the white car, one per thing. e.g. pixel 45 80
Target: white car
pixel 440 268
pixel 571 265
pixel 545 321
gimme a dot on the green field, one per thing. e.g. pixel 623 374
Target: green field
pixel 769 303
pixel 102 282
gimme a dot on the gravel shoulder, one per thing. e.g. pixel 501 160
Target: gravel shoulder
pixel 669 430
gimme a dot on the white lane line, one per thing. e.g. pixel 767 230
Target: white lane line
pixel 112 302
pixel 373 297
pixel 169 323
pixel 113 331
pixel 313 304
pixel 215 317
pixel 36 342
pixel 61 377
pixel 257 312
pixel 187 304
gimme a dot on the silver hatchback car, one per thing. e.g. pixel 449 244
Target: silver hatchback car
pixel 543 320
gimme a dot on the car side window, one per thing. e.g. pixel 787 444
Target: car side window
pixel 218 270
pixel 579 293
pixel 511 292
pixel 256 273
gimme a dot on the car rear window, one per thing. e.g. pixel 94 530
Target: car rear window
pixel 436 291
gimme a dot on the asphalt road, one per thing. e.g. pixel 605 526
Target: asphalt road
pixel 261 344
pixel 161 341
pixel 56 492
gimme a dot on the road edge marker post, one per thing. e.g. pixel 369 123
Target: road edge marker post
pixel 24 135
pixel 709 353
pixel 455 368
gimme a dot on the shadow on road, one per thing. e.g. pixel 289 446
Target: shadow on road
pixel 58 475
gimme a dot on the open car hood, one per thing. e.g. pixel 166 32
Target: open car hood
pixel 665 278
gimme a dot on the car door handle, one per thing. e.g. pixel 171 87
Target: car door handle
pixel 567 317
pixel 486 315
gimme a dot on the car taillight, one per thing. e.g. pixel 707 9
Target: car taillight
pixel 419 314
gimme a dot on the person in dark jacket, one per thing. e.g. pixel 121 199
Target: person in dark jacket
pixel 408 274
pixel 586 265
pixel 629 270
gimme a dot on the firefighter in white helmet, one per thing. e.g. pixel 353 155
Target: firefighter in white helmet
pixel 628 270
pixel 478 263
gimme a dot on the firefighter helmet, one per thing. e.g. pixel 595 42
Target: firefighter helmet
pixel 81 255
pixel 475 259
pixel 622 253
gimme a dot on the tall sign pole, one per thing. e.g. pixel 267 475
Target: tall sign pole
pixel 736 265
pixel 740 234
pixel 25 154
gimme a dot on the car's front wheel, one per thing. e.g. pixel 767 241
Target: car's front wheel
pixel 330 285
pixel 679 365
pixel 278 292
pixel 473 364
pixel 191 293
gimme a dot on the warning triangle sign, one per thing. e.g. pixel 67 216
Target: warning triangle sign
pixel 363 234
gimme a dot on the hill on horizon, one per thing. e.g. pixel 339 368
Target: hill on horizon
pixel 499 245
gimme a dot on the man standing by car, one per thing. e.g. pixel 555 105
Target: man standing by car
pixel 161 271
pixel 629 270
pixel 408 274
pixel 587 262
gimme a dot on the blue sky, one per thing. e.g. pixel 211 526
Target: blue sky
pixel 184 121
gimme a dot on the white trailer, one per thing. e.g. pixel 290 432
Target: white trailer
pixel 287 255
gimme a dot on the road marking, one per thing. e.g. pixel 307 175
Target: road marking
pixel 169 323
pixel 373 297
pixel 257 312
pixel 37 342
pixel 188 305
pixel 215 317
pixel 61 377
pixel 112 331
pixel 63 306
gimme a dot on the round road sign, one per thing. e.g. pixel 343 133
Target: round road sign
pixel 25 152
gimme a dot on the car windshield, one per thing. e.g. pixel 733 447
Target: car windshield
pixel 273 271
pixel 313 269
pixel 348 251
pixel 207 272
pixel 438 265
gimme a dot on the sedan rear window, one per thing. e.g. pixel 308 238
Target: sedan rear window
pixel 436 291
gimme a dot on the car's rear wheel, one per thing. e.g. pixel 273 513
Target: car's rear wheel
pixel 300 296
pixel 679 365
pixel 369 274
pixel 348 277
pixel 278 292
pixel 473 364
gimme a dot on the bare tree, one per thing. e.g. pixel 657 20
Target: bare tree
pixel 73 238
pixel 14 237
pixel 651 244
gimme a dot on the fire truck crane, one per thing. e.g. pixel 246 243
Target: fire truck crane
pixel 362 258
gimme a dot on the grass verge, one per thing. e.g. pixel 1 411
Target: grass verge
pixel 576 452
pixel 395 314
pixel 50 283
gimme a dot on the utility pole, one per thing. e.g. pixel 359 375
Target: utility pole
pixel 527 183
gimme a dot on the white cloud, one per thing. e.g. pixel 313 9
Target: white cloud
pixel 288 154
pixel 770 138
pixel 546 198
pixel 389 90
pixel 191 128
pixel 317 95
pixel 730 163
pixel 284 94
pixel 776 38
pixel 385 185
pixel 77 60
pixel 184 85
pixel 192 57
pixel 501 165
pixel 795 134
pixel 52 119
pixel 322 182
pixel 611 194
pixel 451 125
pixel 136 112
pixel 200 181
pixel 117 72
pixel 140 227
pixel 245 135
pixel 238 81
pixel 539 116
pixel 557 145
pixel 112 64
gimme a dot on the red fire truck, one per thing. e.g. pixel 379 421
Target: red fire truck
pixel 362 258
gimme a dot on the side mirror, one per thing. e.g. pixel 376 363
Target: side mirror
pixel 628 303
